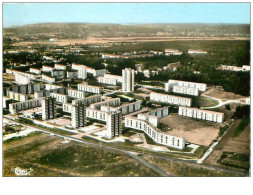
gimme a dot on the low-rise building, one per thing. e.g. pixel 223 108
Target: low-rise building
pixel 200 86
pixel 154 133
pixel 89 88
pixel 186 90
pixel 60 98
pixel 109 81
pixel 169 52
pixel 193 51
pixel 21 79
pixel 17 96
pixel 19 106
pixel 47 68
pixel 112 76
pixel 75 93
pixel 201 114
pixel 59 67
pixel 47 78
pixel 35 71
pixel 170 99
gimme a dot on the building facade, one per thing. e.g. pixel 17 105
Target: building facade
pixel 201 114
pixel 186 90
pixel 127 80
pixel 89 88
pixel 48 108
pixel 170 99
pixel 78 115
pixel 114 124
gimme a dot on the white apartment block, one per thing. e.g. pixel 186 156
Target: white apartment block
pixel 96 114
pixel 114 124
pixel 17 96
pixel 41 94
pixel 171 83
pixel 109 81
pixel 72 74
pixel 86 101
pixel 129 107
pixel 47 68
pixel 169 52
pixel 78 115
pixel 170 99
pixel 47 78
pixel 24 89
pixel 201 114
pixel 50 86
pixel 27 74
pixel 19 106
pixel 48 108
pixel 59 97
pixel 185 90
pixel 94 72
pixel 81 71
pixel 67 107
pixel 154 133
pixel 127 80
pixel 112 76
pixel 160 112
pixel 75 93
pixel 89 88
pixel 234 68
pixel 193 51
pixel 35 70
pixel 21 79
pixel 59 67
pixel 57 73
pixel 113 102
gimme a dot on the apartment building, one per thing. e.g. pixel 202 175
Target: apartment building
pixel 114 124
pixel 109 81
pixel 35 71
pixel 47 78
pixel 200 86
pixel 25 105
pixel 17 96
pixel 48 108
pixel 170 99
pixel 78 115
pixel 127 80
pixel 89 88
pixel 75 93
pixel 185 90
pixel 60 98
pixel 201 114
pixel 21 79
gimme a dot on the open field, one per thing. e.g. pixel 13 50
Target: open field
pixel 193 130
pixel 49 156
pixel 239 145
pixel 92 40
pixel 182 169
pixel 220 93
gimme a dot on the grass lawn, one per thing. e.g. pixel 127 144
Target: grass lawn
pixel 244 123
pixel 48 156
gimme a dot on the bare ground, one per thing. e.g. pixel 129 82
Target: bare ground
pixel 219 92
pixel 239 144
pixel 92 40
pixel 194 131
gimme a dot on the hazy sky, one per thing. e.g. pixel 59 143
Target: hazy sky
pixel 125 13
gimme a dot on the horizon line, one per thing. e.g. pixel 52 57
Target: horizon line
pixel 208 23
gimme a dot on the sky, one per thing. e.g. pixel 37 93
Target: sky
pixel 15 14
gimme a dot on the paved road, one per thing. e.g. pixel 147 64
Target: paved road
pixel 222 103
pixel 146 163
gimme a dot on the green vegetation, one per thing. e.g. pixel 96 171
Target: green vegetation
pixel 5 111
pixel 223 130
pixel 244 123
pixel 242 112
pixel 185 169
pixel 237 160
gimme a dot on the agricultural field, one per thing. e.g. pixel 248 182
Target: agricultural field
pixel 51 156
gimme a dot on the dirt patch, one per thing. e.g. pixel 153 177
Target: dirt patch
pixel 239 144
pixel 219 92
pixel 62 42
pixel 194 131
